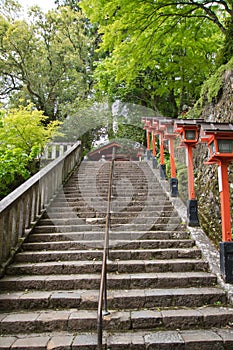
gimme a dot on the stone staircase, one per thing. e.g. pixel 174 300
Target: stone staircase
pixel 161 294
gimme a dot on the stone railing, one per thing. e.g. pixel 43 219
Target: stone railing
pixel 56 149
pixel 22 208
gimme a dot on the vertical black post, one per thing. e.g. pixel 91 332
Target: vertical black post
pixel 192 212
pixel 148 153
pixel 154 162
pixel 163 175
pixel 174 187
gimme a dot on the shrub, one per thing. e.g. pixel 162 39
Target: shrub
pixel 23 135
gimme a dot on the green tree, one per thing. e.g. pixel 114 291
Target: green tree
pixel 88 123
pixel 10 9
pixel 46 60
pixel 23 137
pixel 154 53
pixel 71 3
pixel 226 52
pixel 23 128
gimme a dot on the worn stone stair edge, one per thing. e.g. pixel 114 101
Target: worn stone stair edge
pixel 78 320
pixel 77 293
pixel 120 267
pixel 128 244
pixel 127 300
pixel 218 337
pixel 129 281
pixel 207 248
pixel 91 254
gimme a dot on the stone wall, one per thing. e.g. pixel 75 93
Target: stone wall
pixel 220 109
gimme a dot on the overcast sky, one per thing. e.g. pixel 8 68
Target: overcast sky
pixel 44 4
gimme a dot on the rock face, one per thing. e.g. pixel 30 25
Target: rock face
pixel 220 109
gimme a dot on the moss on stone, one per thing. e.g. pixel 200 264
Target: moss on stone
pixel 211 90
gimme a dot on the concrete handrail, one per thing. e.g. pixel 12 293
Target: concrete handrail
pixel 22 208
pixel 54 150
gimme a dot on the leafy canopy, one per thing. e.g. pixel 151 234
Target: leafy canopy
pixel 45 60
pixel 160 49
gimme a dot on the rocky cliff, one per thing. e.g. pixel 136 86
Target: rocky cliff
pixel 216 104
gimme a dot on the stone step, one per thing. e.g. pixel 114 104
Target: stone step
pixel 97 195
pixel 122 180
pixel 216 339
pixel 136 299
pixel 160 292
pixel 54 222
pixel 67 228
pixel 130 186
pixel 165 210
pixel 146 254
pixel 160 206
pixel 115 281
pixel 155 203
pixel 126 193
pixel 101 184
pixel 135 185
pixel 80 186
pixel 119 177
pixel 81 267
pixel 92 235
pixel 113 244
pixel 86 320
pixel 136 225
pixel 88 184
pixel 71 213
pixel 120 174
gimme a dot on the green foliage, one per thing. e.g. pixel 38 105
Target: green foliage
pixel 158 55
pixel 212 86
pixel 86 123
pixel 153 53
pixel 46 59
pixel 9 8
pixel 130 132
pixel 71 3
pixel 226 53
pixel 23 136
pixel 127 122
pixel 211 89
pixel 24 128
pixel 13 169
